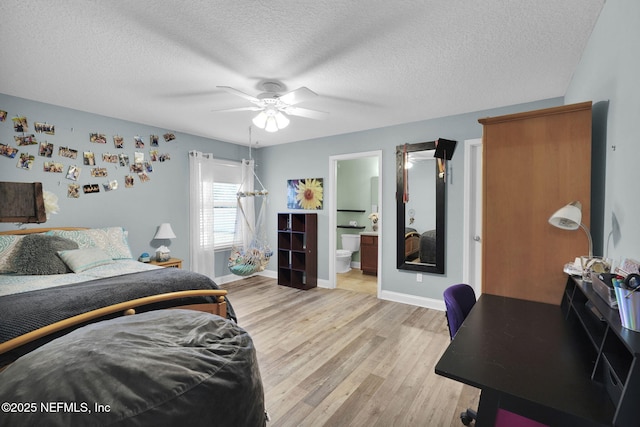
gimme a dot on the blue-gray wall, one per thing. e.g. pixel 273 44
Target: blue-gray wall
pixel 608 74
pixel 165 198
pixel 310 159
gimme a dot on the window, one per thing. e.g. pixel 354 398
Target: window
pixel 224 213
pixel 227 180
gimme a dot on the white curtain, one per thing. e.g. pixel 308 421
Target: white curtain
pixel 246 224
pixel 201 252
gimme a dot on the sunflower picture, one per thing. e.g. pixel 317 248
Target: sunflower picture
pixel 305 193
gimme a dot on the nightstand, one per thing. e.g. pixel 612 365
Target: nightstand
pixel 171 263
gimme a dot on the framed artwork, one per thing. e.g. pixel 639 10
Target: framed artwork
pixel 305 193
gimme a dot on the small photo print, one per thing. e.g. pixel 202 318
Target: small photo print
pixel 46 149
pixel 3 115
pixel 138 157
pixel 69 153
pixel 90 188
pixel 123 160
pixel 98 138
pixel 73 191
pixel 25 161
pixel 99 172
pixel 148 166
pixel 26 140
pixel 129 181
pixel 89 158
pixel 169 136
pixel 164 157
pixel 73 173
pixel 136 167
pixel 139 143
pixel 53 167
pixel 143 177
pixel 20 124
pixel 44 128
pixel 118 141
pixel 109 158
pixel 111 185
pixel 153 140
pixel 154 155
pixel 8 151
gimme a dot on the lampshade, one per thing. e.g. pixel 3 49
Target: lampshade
pixel 272 125
pixel 260 120
pixel 569 217
pixel 281 120
pixel 165 232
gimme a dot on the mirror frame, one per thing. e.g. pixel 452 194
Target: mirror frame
pixel 438 267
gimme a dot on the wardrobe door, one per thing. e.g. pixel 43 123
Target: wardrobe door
pixel 533 164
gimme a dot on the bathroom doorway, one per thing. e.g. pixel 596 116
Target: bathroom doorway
pixel 355 193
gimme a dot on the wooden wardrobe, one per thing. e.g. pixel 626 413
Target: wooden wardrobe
pixel 533 164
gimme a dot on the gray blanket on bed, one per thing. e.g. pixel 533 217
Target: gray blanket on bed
pixel 28 311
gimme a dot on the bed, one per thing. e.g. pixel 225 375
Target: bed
pixel 42 296
pixel 65 298
pixel 420 247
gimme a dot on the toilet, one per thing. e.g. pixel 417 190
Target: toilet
pixel 350 244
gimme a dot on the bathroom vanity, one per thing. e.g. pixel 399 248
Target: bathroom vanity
pixel 369 253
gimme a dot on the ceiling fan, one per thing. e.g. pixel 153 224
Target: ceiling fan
pixel 274 107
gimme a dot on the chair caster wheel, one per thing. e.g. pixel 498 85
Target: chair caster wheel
pixel 465 418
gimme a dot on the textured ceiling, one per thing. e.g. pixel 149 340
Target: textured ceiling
pixel 372 63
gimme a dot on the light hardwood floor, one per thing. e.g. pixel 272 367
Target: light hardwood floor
pixel 343 358
pixel 355 280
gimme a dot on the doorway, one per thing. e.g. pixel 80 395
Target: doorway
pixel 472 231
pixel 354 279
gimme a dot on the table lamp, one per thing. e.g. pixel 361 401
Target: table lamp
pixel 569 217
pixel 165 232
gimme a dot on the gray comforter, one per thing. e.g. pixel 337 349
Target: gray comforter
pixel 28 311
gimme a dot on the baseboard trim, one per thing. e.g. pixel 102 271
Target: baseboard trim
pixel 434 304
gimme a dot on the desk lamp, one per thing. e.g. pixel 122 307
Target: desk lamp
pixel 164 232
pixel 569 217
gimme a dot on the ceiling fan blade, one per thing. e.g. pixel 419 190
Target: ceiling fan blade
pixel 230 110
pixel 236 92
pixel 296 96
pixel 305 112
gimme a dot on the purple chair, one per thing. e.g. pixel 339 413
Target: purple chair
pixel 459 300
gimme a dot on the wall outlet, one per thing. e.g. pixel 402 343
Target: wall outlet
pixel 419 277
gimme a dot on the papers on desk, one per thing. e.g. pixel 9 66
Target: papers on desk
pixel 574 268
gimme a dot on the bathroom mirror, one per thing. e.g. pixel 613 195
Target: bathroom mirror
pixel 420 196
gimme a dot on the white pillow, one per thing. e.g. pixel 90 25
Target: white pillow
pixel 111 240
pixel 79 260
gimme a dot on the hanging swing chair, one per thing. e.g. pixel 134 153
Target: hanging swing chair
pixel 250 252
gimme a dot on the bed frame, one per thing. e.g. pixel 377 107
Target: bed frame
pixel 125 308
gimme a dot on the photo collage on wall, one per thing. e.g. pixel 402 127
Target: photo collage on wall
pixel 70 162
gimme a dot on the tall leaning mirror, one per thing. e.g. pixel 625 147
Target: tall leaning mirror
pixel 420 195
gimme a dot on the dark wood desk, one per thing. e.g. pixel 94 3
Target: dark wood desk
pixel 528 359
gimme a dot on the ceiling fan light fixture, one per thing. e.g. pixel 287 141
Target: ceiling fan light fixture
pixel 260 120
pixel 281 120
pixel 271 124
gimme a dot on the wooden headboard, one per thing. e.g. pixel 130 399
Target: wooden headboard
pixel 40 230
